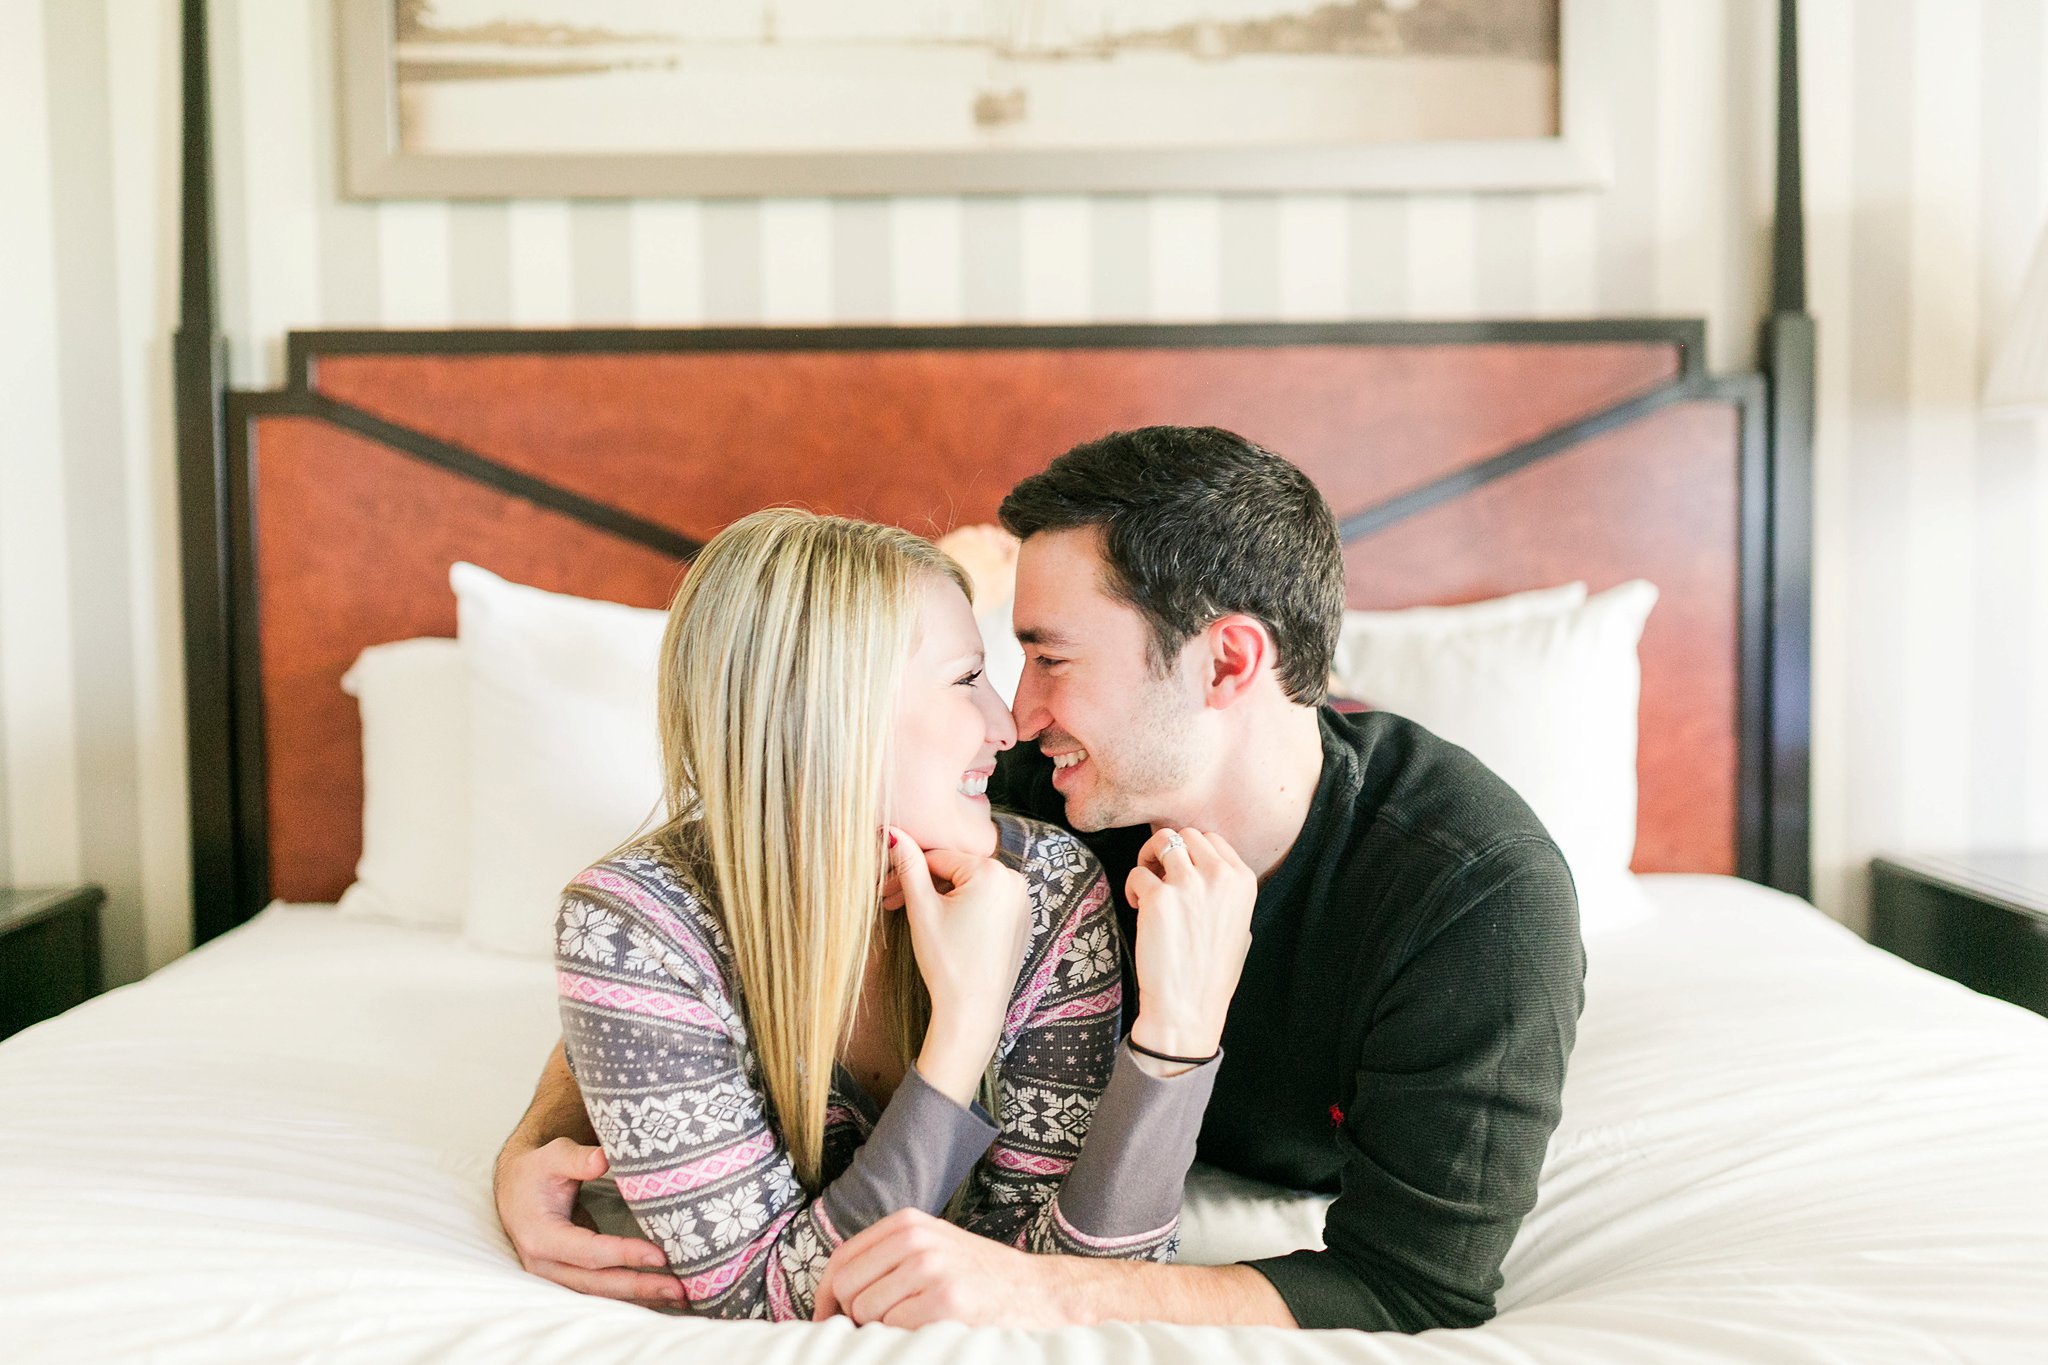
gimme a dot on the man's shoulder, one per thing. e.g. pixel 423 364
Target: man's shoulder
pixel 1438 797
pixel 1437 835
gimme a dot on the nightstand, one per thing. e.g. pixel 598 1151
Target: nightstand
pixel 1977 918
pixel 49 951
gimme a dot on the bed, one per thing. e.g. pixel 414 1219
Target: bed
pixel 1779 1144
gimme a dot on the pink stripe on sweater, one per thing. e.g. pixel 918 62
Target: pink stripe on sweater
pixel 637 1000
pixel 1157 1234
pixel 1026 1003
pixel 713 974
pixel 779 1307
pixel 658 914
pixel 1010 1159
pixel 691 1175
pixel 826 1225
pixel 836 1114
pixel 1087 1007
pixel 718 1279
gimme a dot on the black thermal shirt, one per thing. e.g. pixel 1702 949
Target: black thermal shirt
pixel 1400 1033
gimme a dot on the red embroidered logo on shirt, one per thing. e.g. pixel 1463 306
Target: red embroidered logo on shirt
pixel 1336 1117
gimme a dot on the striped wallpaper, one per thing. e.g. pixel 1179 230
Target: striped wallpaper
pixel 1927 136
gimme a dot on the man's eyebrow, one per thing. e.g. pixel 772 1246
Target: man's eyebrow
pixel 1040 636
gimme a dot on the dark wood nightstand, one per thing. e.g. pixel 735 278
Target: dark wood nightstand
pixel 1977 918
pixel 49 951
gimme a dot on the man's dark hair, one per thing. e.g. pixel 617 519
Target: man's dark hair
pixel 1198 523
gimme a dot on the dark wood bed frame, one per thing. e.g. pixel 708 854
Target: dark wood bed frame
pixel 1463 460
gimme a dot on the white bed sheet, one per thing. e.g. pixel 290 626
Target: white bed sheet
pixel 1779 1144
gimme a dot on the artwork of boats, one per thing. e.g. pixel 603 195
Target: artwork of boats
pixel 766 76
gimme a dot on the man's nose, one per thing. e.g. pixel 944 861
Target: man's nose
pixel 1027 710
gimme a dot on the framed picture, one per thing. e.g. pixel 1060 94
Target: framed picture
pixel 651 98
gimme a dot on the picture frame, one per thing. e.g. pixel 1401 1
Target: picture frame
pixel 378 166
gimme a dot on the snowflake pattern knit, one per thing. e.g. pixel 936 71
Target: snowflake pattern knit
pixel 655 1029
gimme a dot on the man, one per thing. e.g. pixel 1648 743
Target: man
pixel 1400 1027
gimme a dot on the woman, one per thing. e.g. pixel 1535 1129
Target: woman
pixel 771 1059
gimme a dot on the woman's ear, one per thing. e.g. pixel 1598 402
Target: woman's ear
pixel 1240 649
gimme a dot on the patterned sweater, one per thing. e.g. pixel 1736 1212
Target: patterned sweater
pixel 655 1029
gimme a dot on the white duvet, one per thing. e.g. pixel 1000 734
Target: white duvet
pixel 1779 1144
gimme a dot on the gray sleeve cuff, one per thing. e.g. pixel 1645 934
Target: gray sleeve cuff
pixel 922 1147
pixel 1128 1178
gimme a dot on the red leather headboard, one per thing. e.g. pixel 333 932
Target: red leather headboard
pixel 1470 462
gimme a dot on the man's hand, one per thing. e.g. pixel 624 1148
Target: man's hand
pixel 911 1269
pixel 536 1192
pixel 1194 899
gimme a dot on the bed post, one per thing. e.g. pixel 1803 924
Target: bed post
pixel 1788 359
pixel 199 370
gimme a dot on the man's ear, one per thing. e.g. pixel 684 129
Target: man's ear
pixel 1240 651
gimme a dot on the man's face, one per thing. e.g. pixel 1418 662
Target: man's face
pixel 1122 738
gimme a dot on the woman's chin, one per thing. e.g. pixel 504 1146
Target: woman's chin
pixel 968 832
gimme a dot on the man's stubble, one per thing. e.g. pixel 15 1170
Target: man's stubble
pixel 1146 765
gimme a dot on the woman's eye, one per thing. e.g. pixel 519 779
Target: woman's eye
pixel 970 680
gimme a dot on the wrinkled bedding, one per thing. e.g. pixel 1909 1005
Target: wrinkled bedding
pixel 1779 1144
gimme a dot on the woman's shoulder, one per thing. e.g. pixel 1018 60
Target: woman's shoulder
pixel 647 885
pixel 636 919
pixel 1047 854
pixel 646 871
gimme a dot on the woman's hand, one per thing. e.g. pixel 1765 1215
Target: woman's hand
pixel 1194 899
pixel 969 940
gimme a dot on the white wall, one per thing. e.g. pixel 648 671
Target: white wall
pixel 92 772
pixel 1927 132
pixel 1927 162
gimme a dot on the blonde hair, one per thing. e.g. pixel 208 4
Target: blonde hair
pixel 781 665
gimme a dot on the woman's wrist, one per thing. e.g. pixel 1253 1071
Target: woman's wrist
pixel 955 1056
pixel 952 1074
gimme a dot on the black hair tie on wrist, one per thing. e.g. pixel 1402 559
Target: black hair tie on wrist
pixel 1144 1051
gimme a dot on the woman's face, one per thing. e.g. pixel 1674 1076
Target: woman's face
pixel 950 724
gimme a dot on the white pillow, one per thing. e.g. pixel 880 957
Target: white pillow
pixel 1360 628
pixel 565 759
pixel 414 700
pixel 1226 1218
pixel 1547 701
